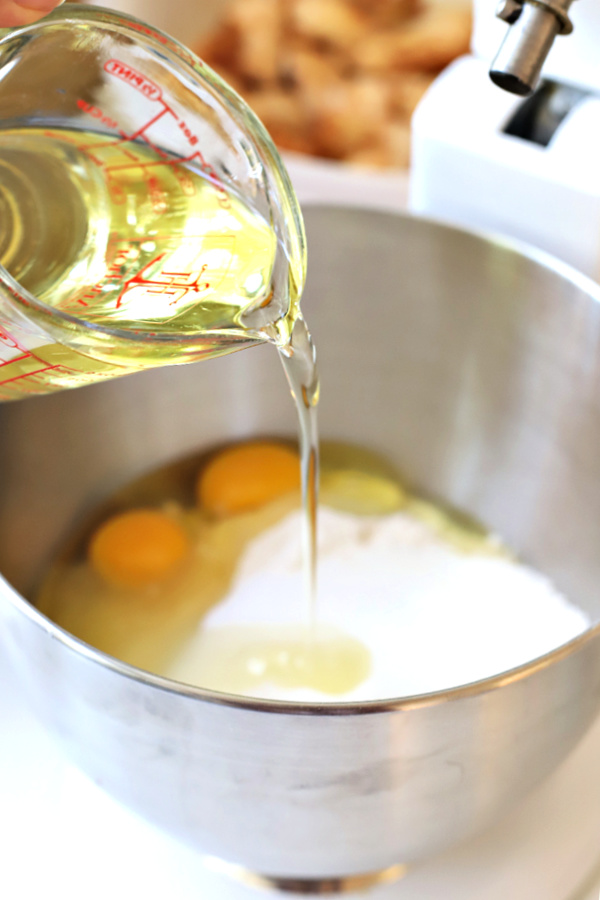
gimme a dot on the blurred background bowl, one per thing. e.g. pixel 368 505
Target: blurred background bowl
pixel 334 81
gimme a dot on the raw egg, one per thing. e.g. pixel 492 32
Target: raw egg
pixel 247 476
pixel 138 548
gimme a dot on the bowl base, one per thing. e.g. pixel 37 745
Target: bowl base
pixel 342 884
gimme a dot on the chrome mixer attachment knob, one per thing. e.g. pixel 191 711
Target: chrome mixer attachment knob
pixel 533 26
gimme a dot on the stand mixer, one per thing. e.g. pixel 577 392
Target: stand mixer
pixel 528 168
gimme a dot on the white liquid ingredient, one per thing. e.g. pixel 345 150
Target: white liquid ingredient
pixel 432 616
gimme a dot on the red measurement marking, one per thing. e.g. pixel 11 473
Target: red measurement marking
pixel 118 142
pixel 28 374
pixel 120 256
pixel 146 86
pixel 11 342
pixel 14 359
pixel 185 182
pixel 91 293
pixel 211 174
pixel 148 124
pixel 62 136
pixel 137 278
pixel 142 165
pixel 165 282
pixel 137 26
pixel 178 50
pixel 192 138
pixel 131 76
pixel 96 113
pixel 164 156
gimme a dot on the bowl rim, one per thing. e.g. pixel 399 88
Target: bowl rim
pixel 326 708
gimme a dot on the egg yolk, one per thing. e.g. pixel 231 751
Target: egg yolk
pixel 247 476
pixel 138 548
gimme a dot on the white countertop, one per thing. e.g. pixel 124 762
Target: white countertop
pixel 62 836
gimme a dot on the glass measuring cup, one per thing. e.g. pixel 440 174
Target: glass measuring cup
pixel 147 217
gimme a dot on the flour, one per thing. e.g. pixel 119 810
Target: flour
pixel 433 617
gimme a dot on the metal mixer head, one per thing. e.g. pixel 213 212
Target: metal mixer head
pixel 533 26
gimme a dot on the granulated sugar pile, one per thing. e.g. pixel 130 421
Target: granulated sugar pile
pixel 432 616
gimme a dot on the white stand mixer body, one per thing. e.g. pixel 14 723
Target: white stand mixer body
pixel 468 171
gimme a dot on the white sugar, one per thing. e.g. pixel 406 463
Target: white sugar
pixel 432 616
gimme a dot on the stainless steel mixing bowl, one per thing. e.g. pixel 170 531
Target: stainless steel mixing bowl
pixel 476 369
